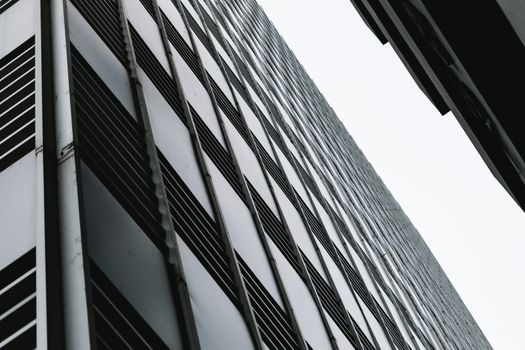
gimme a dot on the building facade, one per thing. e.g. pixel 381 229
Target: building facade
pixel 467 57
pixel 171 178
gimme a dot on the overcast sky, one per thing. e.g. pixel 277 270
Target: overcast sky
pixel 474 228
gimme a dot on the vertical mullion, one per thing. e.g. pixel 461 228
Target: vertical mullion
pixel 254 211
pixel 309 230
pixel 54 336
pixel 247 310
pixel 174 264
pixel 309 282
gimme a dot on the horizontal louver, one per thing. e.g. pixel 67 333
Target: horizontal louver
pixel 18 303
pixel 274 324
pixel 17 103
pixel 393 330
pixel 182 47
pixel 274 229
pixel 5 4
pixel 317 229
pixel 219 156
pixel 212 27
pixel 148 5
pixel 156 72
pixel 112 144
pixel 196 28
pixel 330 301
pixel 229 110
pixel 117 324
pixel 104 18
pixel 197 229
pixel 274 170
pixel 235 81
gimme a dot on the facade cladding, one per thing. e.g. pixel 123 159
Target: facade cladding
pixel 172 178
pixel 467 57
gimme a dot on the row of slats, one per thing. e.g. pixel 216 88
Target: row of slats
pixel 274 324
pixel 18 303
pixel 197 229
pixel 272 226
pixel 184 50
pixel 156 72
pixel 275 229
pixel 5 4
pixel 330 301
pixel 219 156
pixel 196 28
pixel 117 324
pixel 17 103
pixel 104 18
pixel 229 109
pixel 112 143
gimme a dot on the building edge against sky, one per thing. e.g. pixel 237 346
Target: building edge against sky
pixel 468 59
pixel 170 177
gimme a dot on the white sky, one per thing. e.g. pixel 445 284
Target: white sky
pixel 473 227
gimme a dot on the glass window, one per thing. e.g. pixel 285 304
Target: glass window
pixel 129 259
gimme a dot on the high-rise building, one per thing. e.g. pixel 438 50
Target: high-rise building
pixel 170 177
pixel 467 57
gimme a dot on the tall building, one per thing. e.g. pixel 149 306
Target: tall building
pixel 170 177
pixel 467 57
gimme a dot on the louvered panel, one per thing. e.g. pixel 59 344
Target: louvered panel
pixel 242 67
pixel 309 183
pixel 344 266
pixel 17 103
pixel 182 47
pixel 148 5
pixel 196 28
pixel 18 303
pixel 236 82
pixel 6 4
pixel 275 229
pixel 219 156
pixel 212 27
pixel 104 18
pixel 318 229
pixel 274 324
pixel 117 324
pixel 112 144
pixel 197 229
pixel 156 72
pixel 274 135
pixel 229 110
pixel 393 330
pixel 367 344
pixel 357 283
pixel 274 170
pixel 330 301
